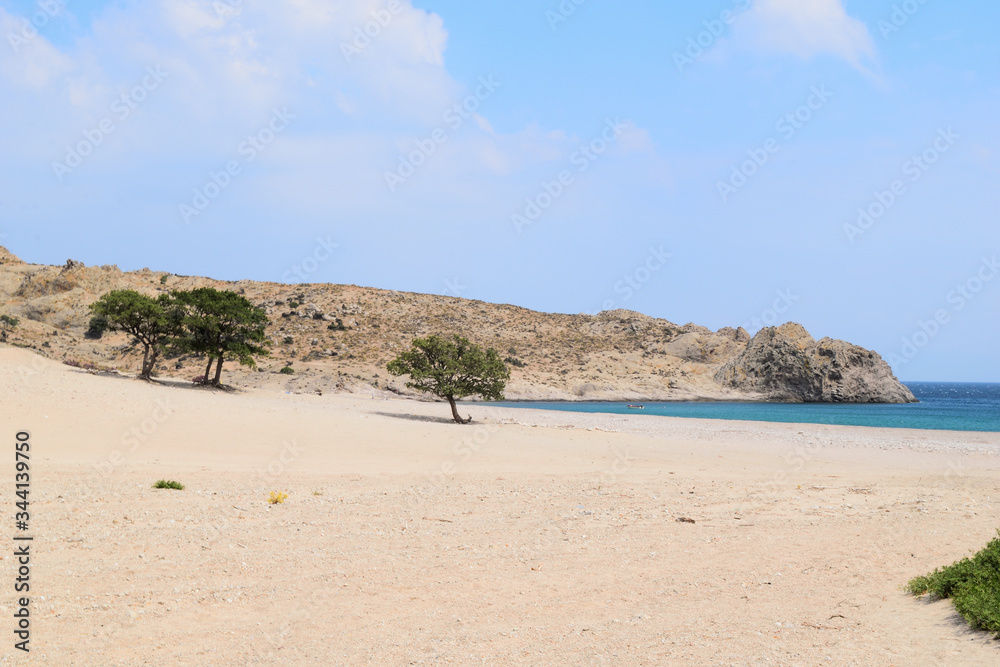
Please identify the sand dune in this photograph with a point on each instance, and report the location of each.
(528, 538)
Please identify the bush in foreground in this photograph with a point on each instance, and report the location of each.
(973, 584)
(169, 484)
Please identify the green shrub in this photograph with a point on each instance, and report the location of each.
(973, 584)
(98, 325)
(287, 370)
(171, 484)
(7, 323)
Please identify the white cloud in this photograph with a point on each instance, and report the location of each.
(805, 28)
(28, 60)
(226, 71)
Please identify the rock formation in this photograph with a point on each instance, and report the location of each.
(785, 364)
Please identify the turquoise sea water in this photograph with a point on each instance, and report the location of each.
(949, 406)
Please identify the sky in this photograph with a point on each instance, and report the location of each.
(728, 163)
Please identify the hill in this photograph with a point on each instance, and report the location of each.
(340, 337)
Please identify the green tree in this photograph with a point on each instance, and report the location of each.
(152, 323)
(98, 325)
(7, 323)
(222, 325)
(452, 369)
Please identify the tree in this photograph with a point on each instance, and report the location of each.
(452, 369)
(7, 323)
(98, 325)
(222, 325)
(151, 322)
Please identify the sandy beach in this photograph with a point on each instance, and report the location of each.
(527, 538)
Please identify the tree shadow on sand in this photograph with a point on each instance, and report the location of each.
(417, 418)
(169, 382)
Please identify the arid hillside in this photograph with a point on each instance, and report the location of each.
(340, 337)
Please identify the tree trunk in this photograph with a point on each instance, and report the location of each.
(218, 372)
(147, 367)
(208, 369)
(144, 373)
(454, 411)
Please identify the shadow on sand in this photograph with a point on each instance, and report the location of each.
(162, 382)
(418, 418)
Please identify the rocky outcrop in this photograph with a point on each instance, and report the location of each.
(786, 364)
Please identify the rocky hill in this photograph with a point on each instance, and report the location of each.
(340, 337)
(787, 364)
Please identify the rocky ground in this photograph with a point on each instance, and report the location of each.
(340, 337)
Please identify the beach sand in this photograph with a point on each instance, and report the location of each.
(527, 538)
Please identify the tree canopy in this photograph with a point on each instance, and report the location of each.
(222, 325)
(152, 322)
(452, 369)
(219, 324)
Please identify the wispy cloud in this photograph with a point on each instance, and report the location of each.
(805, 29)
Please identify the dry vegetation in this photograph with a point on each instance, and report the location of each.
(339, 337)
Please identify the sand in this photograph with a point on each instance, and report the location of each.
(527, 538)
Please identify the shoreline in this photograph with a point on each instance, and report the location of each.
(528, 537)
(527, 405)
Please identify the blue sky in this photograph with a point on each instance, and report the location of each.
(702, 162)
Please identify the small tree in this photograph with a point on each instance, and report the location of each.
(151, 322)
(452, 369)
(7, 323)
(221, 325)
(98, 325)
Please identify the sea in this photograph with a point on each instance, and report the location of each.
(950, 406)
